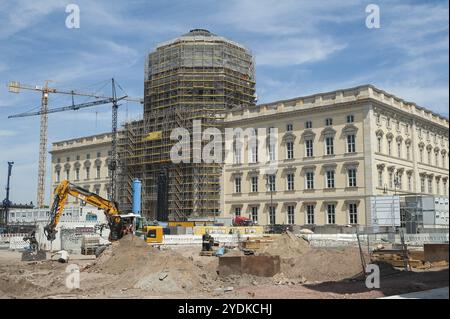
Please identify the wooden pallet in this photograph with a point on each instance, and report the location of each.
(396, 258)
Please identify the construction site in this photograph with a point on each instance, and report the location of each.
(160, 230)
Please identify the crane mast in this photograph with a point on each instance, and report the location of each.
(43, 138)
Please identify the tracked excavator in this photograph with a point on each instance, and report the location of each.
(119, 225)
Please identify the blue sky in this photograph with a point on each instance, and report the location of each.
(300, 48)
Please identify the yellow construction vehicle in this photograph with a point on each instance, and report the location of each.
(153, 234)
(119, 225)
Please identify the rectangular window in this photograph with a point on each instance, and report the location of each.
(290, 181)
(271, 183)
(400, 181)
(351, 172)
(88, 156)
(272, 214)
(290, 215)
(289, 128)
(98, 171)
(351, 144)
(99, 154)
(237, 185)
(271, 152)
(328, 121)
(87, 172)
(380, 179)
(237, 156)
(254, 184)
(409, 182)
(77, 174)
(430, 185)
(391, 180)
(308, 124)
(353, 213)
(350, 118)
(254, 154)
(97, 191)
(58, 160)
(331, 214)
(438, 189)
(310, 214)
(309, 148)
(67, 159)
(290, 150)
(330, 179)
(329, 142)
(309, 180)
(237, 211)
(422, 184)
(255, 214)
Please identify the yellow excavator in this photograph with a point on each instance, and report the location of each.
(119, 225)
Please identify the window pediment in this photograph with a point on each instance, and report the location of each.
(308, 133)
(328, 131)
(349, 129)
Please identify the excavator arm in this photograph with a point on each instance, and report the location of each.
(62, 192)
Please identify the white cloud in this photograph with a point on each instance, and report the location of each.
(287, 17)
(7, 133)
(22, 14)
(297, 51)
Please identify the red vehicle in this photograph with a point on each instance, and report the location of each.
(242, 221)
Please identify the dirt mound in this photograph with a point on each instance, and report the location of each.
(324, 264)
(287, 246)
(13, 286)
(144, 267)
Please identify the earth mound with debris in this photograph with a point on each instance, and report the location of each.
(148, 268)
(300, 260)
(287, 245)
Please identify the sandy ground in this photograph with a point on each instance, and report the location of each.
(131, 269)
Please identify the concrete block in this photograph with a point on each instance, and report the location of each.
(262, 266)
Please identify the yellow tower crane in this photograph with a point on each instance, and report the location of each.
(15, 87)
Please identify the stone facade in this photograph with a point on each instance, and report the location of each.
(335, 150)
(84, 162)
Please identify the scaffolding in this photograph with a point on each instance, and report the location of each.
(194, 77)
